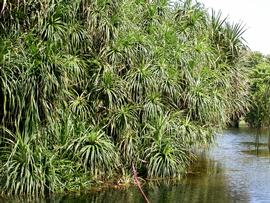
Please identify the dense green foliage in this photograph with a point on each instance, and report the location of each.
(89, 87)
(259, 113)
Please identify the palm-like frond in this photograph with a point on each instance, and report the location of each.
(95, 151)
(155, 80)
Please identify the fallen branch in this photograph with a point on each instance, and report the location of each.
(137, 182)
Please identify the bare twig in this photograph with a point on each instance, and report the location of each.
(138, 183)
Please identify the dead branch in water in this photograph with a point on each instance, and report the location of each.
(137, 182)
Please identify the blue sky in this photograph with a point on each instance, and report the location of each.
(254, 14)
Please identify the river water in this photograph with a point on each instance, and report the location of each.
(236, 169)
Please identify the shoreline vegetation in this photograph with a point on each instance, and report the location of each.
(89, 88)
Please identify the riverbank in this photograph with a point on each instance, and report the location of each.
(228, 172)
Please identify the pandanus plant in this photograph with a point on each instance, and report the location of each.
(106, 84)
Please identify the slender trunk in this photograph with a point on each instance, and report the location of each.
(268, 141)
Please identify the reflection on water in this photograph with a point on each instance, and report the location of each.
(258, 152)
(236, 170)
